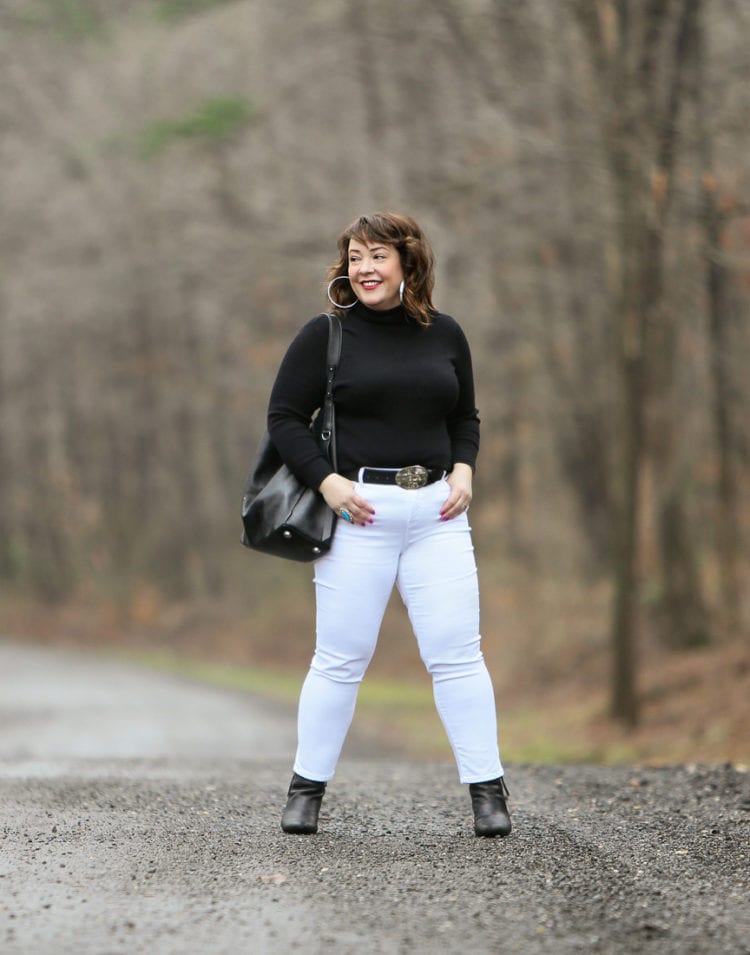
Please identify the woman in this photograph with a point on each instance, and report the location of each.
(407, 436)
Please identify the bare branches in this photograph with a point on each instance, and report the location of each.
(551, 150)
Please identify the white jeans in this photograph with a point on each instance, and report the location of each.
(432, 562)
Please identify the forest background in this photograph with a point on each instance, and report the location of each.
(174, 175)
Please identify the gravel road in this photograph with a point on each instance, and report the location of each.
(139, 813)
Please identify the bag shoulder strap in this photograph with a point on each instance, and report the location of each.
(333, 355)
(334, 341)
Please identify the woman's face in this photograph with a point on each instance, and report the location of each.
(375, 274)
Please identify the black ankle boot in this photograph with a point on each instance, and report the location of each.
(302, 806)
(490, 809)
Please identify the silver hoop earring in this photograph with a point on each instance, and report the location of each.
(328, 293)
(401, 288)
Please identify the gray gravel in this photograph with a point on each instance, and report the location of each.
(139, 813)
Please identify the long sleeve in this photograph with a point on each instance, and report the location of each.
(463, 421)
(299, 391)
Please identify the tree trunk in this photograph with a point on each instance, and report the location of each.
(718, 281)
(7, 563)
(639, 55)
(624, 704)
(683, 619)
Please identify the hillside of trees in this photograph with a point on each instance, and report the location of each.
(174, 176)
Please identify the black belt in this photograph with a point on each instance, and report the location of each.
(409, 478)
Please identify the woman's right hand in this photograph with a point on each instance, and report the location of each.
(340, 494)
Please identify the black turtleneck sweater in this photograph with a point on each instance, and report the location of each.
(404, 394)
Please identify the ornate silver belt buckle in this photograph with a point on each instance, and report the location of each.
(412, 477)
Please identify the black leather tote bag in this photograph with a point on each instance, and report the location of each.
(280, 514)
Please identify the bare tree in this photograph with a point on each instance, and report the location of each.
(168, 210)
(716, 212)
(640, 56)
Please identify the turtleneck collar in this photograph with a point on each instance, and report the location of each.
(390, 316)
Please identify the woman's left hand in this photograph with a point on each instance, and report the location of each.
(459, 498)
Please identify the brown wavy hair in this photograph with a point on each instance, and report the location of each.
(415, 252)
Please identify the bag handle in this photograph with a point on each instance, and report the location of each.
(328, 430)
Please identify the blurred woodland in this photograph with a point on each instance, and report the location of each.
(174, 176)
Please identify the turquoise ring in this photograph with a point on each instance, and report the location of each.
(346, 515)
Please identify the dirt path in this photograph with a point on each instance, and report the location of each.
(139, 813)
